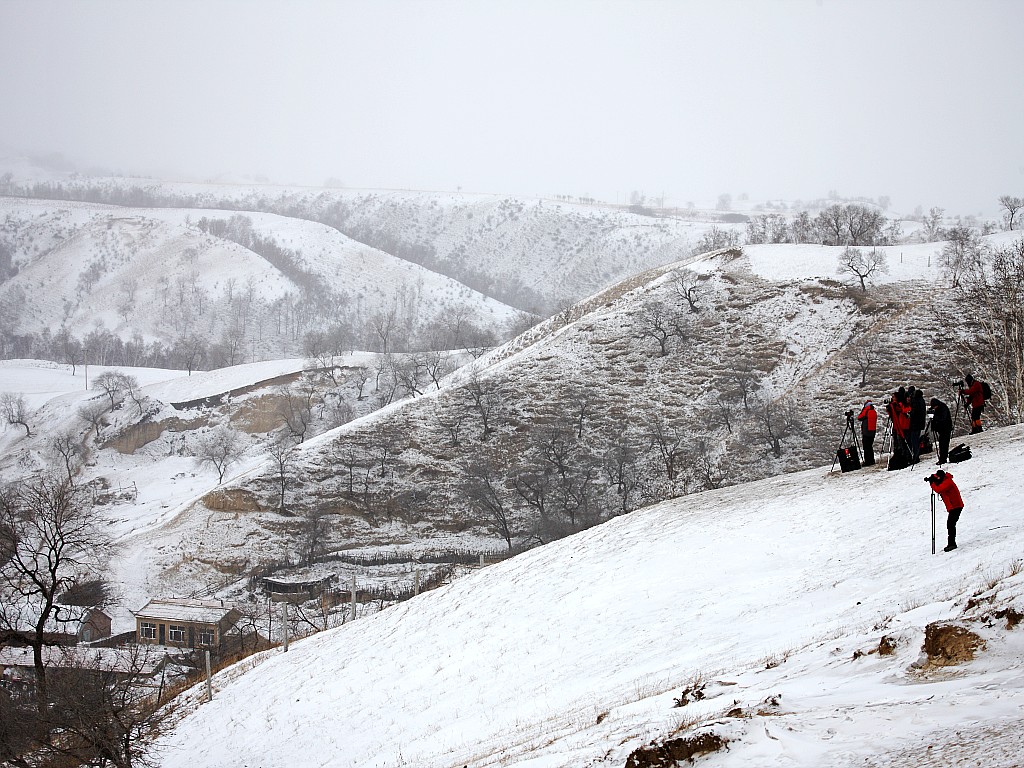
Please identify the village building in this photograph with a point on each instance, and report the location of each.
(185, 623)
(95, 625)
(17, 663)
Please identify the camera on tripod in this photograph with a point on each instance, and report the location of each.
(849, 414)
(937, 477)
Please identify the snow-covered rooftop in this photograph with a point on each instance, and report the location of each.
(180, 609)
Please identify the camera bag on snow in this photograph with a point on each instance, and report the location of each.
(898, 461)
(960, 453)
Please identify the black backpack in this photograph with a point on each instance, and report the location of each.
(960, 453)
(986, 390)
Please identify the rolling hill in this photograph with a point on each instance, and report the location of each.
(784, 622)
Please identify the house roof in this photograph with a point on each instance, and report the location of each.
(181, 609)
(123, 660)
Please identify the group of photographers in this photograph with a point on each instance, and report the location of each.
(908, 415)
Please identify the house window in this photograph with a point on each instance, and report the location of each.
(206, 637)
(175, 634)
(148, 630)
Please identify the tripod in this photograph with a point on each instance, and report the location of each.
(852, 430)
(961, 403)
(933, 522)
(887, 437)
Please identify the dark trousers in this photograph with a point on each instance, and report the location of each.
(914, 441)
(869, 443)
(951, 520)
(942, 438)
(900, 444)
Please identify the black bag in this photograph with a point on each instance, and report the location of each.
(926, 442)
(960, 453)
(898, 460)
(848, 459)
(986, 390)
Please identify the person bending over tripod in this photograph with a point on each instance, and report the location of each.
(942, 484)
(942, 426)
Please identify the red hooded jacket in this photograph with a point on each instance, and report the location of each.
(900, 414)
(947, 489)
(869, 416)
(976, 394)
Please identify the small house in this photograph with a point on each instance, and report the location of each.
(95, 625)
(185, 623)
(17, 664)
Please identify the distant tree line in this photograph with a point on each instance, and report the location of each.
(850, 225)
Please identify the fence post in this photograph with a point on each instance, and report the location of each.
(209, 678)
(353, 597)
(284, 624)
(481, 559)
(417, 590)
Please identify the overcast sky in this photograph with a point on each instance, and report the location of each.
(920, 100)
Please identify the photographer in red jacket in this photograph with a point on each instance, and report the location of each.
(974, 398)
(868, 419)
(942, 484)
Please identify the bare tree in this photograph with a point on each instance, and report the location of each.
(933, 223)
(774, 421)
(621, 463)
(661, 323)
(993, 288)
(438, 365)
(1012, 205)
(50, 541)
(687, 286)
(313, 534)
(282, 450)
(106, 712)
(92, 412)
(741, 379)
(14, 411)
(485, 490)
(296, 409)
(221, 447)
(854, 261)
(963, 247)
(716, 239)
(68, 448)
(705, 465)
(115, 385)
(864, 352)
(450, 417)
(482, 396)
(668, 440)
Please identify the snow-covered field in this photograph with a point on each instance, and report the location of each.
(776, 594)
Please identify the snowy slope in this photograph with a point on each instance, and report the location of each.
(572, 654)
(151, 271)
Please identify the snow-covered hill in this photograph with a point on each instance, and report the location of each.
(157, 274)
(772, 598)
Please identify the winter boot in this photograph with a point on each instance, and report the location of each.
(949, 547)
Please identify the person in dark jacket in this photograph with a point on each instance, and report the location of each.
(942, 426)
(918, 421)
(868, 419)
(974, 398)
(942, 484)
